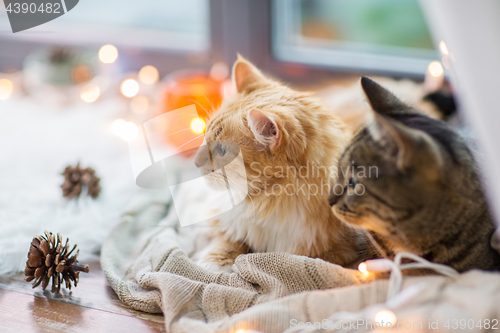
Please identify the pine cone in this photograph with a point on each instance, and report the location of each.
(48, 258)
(75, 178)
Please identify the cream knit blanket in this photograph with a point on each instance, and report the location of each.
(145, 259)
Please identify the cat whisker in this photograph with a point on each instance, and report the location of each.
(195, 138)
(186, 129)
(209, 102)
(201, 107)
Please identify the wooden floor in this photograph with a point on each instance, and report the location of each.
(91, 307)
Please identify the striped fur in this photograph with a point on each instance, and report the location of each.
(425, 198)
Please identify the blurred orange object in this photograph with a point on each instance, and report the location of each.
(185, 88)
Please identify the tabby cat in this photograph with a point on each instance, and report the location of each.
(289, 142)
(411, 181)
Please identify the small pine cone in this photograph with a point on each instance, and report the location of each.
(75, 178)
(48, 258)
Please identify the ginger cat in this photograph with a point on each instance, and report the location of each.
(290, 145)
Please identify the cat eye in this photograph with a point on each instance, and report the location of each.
(222, 149)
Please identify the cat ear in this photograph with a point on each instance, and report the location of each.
(381, 99)
(264, 128)
(409, 147)
(245, 74)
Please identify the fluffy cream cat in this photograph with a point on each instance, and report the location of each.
(290, 145)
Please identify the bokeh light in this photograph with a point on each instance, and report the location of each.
(435, 69)
(198, 125)
(129, 131)
(139, 104)
(149, 74)
(387, 316)
(219, 71)
(362, 268)
(108, 54)
(6, 87)
(90, 93)
(116, 126)
(129, 88)
(81, 74)
(443, 48)
(198, 89)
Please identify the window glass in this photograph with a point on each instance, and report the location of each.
(385, 35)
(147, 23)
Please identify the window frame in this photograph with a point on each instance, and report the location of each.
(284, 22)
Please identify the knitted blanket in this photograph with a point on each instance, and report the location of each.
(146, 260)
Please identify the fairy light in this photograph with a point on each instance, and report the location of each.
(363, 269)
(129, 131)
(198, 89)
(386, 316)
(149, 74)
(116, 126)
(435, 69)
(108, 54)
(6, 87)
(443, 48)
(198, 125)
(90, 93)
(219, 71)
(139, 104)
(129, 88)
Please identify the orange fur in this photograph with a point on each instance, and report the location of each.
(279, 130)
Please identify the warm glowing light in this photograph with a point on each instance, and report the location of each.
(139, 104)
(435, 69)
(198, 89)
(149, 75)
(5, 89)
(219, 71)
(129, 88)
(387, 316)
(240, 331)
(362, 268)
(443, 48)
(108, 54)
(90, 93)
(129, 131)
(125, 129)
(198, 125)
(81, 74)
(117, 125)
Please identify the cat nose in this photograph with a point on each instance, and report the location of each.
(199, 161)
(201, 157)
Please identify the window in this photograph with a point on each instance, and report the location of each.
(388, 36)
(163, 25)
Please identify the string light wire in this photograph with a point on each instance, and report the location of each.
(395, 297)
